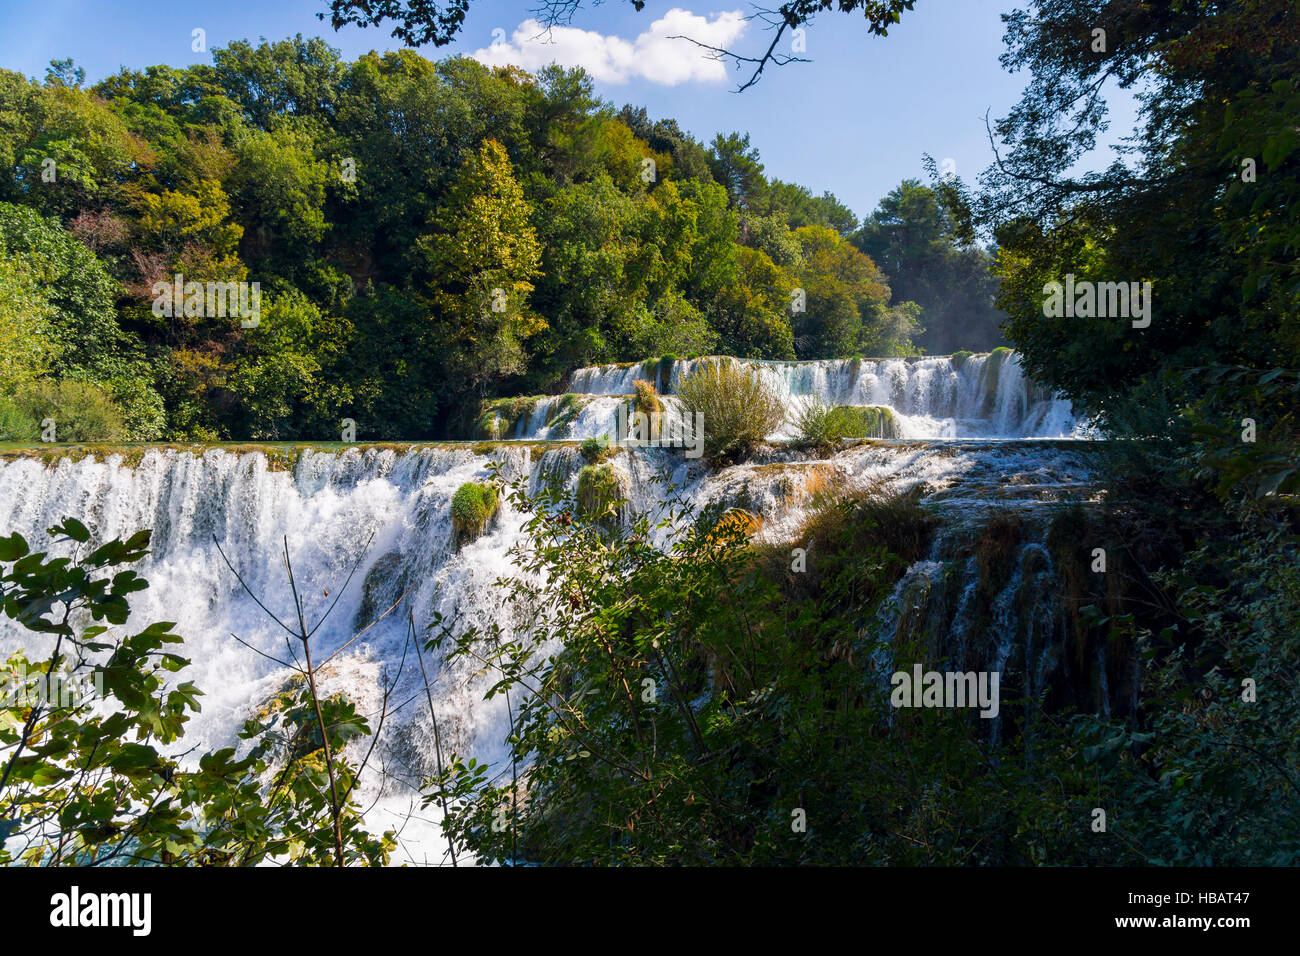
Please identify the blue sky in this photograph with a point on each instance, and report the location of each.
(856, 120)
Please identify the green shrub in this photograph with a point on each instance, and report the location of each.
(820, 424)
(813, 421)
(81, 412)
(595, 449)
(15, 424)
(143, 413)
(864, 421)
(738, 410)
(598, 492)
(472, 507)
(646, 398)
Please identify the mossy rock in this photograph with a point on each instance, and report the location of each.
(863, 421)
(383, 583)
(282, 699)
(596, 450)
(472, 507)
(992, 375)
(995, 547)
(498, 417)
(599, 491)
(959, 358)
(566, 410)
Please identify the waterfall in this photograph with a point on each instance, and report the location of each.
(386, 512)
(983, 395)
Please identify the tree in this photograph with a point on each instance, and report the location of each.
(915, 241)
(799, 207)
(482, 258)
(690, 159)
(736, 166)
(64, 73)
(753, 312)
(845, 300)
(279, 185)
(1210, 225)
(27, 345)
(293, 77)
(285, 382)
(61, 149)
(591, 289)
(84, 337)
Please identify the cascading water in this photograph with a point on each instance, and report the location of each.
(976, 396)
(387, 512)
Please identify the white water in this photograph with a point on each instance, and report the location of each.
(389, 515)
(986, 396)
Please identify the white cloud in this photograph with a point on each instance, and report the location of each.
(651, 56)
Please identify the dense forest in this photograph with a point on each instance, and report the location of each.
(422, 235)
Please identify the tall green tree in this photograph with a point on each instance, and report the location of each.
(482, 258)
(914, 240)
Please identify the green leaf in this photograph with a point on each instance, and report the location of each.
(134, 757)
(74, 529)
(13, 547)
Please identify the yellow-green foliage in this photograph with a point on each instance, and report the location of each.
(598, 491)
(26, 346)
(78, 411)
(822, 424)
(646, 399)
(738, 410)
(485, 252)
(472, 507)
